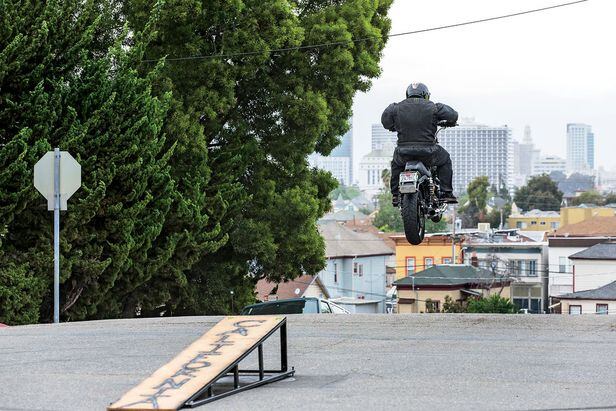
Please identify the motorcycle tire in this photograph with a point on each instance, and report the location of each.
(437, 218)
(413, 218)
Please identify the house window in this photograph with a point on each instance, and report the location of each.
(575, 309)
(446, 260)
(533, 223)
(433, 306)
(428, 262)
(358, 269)
(554, 225)
(335, 272)
(532, 268)
(562, 264)
(410, 266)
(602, 309)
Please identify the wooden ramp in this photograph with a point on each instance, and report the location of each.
(188, 379)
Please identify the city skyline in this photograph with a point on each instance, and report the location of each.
(517, 72)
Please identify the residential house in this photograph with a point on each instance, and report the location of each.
(303, 286)
(600, 300)
(573, 215)
(356, 266)
(345, 216)
(594, 267)
(427, 290)
(534, 220)
(571, 239)
(521, 256)
(435, 249)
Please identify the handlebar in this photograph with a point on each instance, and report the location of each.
(446, 124)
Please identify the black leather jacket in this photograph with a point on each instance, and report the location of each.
(415, 119)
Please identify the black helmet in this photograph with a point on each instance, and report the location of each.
(418, 90)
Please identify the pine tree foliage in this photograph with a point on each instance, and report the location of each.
(67, 80)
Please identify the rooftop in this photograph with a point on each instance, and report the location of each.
(451, 275)
(341, 241)
(607, 292)
(344, 215)
(537, 214)
(593, 227)
(602, 251)
(285, 289)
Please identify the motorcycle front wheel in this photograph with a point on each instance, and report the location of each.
(413, 218)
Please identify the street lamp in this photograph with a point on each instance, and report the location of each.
(231, 292)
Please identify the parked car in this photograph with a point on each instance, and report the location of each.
(307, 305)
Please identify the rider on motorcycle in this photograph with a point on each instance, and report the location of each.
(415, 120)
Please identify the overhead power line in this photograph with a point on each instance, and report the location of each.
(362, 39)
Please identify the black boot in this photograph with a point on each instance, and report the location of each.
(448, 197)
(395, 200)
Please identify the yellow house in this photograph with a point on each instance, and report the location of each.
(534, 220)
(427, 291)
(435, 249)
(572, 215)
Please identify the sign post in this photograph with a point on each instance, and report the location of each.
(57, 175)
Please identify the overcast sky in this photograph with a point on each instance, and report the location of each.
(545, 69)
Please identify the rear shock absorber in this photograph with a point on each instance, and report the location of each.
(431, 189)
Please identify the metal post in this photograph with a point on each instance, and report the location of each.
(261, 366)
(283, 348)
(56, 236)
(236, 376)
(453, 236)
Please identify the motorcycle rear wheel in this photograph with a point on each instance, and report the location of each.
(413, 218)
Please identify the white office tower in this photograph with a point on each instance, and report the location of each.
(381, 137)
(479, 150)
(547, 164)
(339, 167)
(371, 169)
(340, 160)
(580, 148)
(527, 154)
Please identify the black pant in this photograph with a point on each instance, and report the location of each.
(430, 155)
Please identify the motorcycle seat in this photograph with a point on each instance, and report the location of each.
(416, 165)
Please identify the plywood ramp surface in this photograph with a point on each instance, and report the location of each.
(181, 378)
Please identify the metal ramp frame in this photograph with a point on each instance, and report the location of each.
(193, 377)
(206, 394)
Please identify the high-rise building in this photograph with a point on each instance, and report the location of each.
(479, 150)
(527, 155)
(339, 167)
(580, 148)
(340, 160)
(381, 136)
(547, 164)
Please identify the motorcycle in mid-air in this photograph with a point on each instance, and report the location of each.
(420, 197)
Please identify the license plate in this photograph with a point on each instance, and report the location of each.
(408, 177)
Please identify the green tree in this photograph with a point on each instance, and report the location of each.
(492, 304)
(588, 197)
(347, 192)
(261, 114)
(541, 192)
(389, 219)
(451, 306)
(610, 198)
(474, 209)
(67, 80)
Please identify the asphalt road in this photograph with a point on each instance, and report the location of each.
(345, 362)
